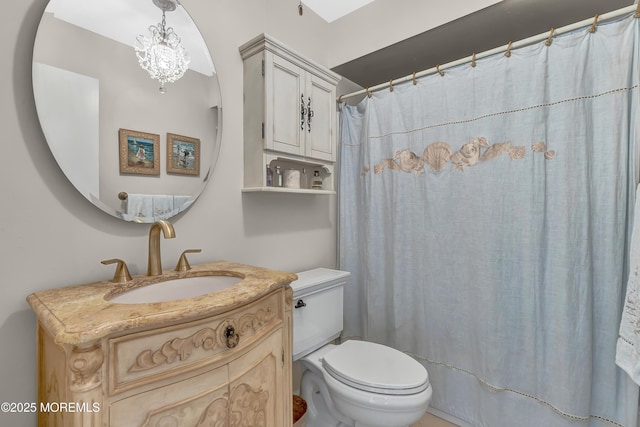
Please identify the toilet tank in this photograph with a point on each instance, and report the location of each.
(318, 309)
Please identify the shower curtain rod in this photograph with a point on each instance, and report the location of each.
(506, 48)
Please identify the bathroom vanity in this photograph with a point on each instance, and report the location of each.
(222, 358)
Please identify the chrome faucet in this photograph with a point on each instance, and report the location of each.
(155, 261)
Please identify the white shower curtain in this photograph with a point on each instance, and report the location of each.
(485, 216)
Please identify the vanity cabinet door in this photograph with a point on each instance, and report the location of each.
(198, 401)
(257, 386)
(248, 392)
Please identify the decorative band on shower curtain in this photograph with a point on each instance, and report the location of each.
(485, 216)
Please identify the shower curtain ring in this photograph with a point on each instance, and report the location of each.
(548, 42)
(439, 70)
(473, 60)
(414, 79)
(391, 85)
(508, 52)
(368, 93)
(594, 26)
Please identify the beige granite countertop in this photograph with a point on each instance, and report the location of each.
(82, 315)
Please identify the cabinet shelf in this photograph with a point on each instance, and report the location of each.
(285, 190)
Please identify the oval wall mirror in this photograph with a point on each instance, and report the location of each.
(134, 152)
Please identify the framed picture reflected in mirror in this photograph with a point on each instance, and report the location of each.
(139, 152)
(183, 155)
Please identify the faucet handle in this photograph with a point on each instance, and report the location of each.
(122, 272)
(183, 263)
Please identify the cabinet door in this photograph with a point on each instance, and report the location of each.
(257, 386)
(284, 119)
(320, 127)
(198, 401)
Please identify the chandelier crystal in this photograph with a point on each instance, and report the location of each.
(160, 52)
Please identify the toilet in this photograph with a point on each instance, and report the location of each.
(356, 383)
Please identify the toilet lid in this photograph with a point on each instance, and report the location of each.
(377, 368)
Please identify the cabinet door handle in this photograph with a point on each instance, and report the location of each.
(300, 304)
(302, 111)
(309, 115)
(232, 338)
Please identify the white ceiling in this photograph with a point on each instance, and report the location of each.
(330, 10)
(123, 20)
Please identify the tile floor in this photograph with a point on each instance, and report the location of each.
(432, 421)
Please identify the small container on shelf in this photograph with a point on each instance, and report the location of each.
(292, 178)
(269, 177)
(278, 182)
(316, 181)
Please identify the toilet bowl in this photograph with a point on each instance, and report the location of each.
(356, 383)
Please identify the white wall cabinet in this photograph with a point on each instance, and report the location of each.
(290, 117)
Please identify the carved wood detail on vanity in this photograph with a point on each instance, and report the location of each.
(216, 414)
(205, 338)
(187, 346)
(248, 406)
(248, 392)
(85, 365)
(180, 348)
(248, 409)
(188, 411)
(250, 397)
(256, 321)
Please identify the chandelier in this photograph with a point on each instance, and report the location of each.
(160, 52)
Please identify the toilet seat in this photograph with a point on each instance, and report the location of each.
(375, 368)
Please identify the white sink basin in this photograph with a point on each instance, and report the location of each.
(175, 289)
